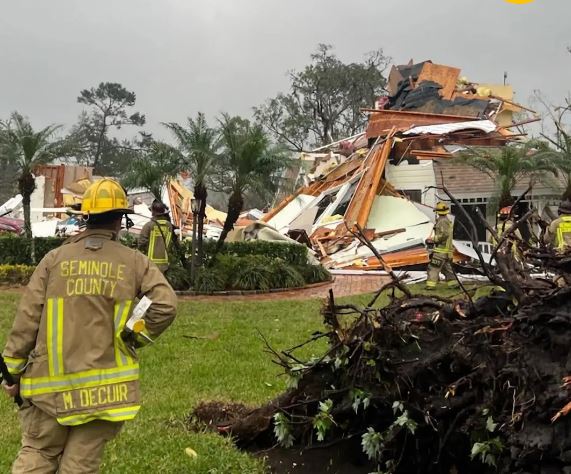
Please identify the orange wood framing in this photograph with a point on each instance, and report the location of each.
(380, 121)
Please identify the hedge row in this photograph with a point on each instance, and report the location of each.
(16, 250)
(15, 274)
(255, 265)
(294, 254)
(254, 272)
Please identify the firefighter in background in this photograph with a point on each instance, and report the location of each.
(558, 234)
(505, 223)
(76, 373)
(440, 242)
(157, 236)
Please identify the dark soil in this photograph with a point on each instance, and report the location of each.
(442, 380)
(339, 459)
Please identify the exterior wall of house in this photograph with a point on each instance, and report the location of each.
(418, 177)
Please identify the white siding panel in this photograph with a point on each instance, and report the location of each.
(407, 177)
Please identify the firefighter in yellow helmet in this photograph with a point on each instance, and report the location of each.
(442, 249)
(74, 367)
(558, 234)
(157, 235)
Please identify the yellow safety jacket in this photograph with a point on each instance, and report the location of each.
(501, 229)
(443, 237)
(155, 240)
(559, 233)
(65, 340)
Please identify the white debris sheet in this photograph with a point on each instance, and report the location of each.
(388, 213)
(486, 126)
(291, 211)
(11, 204)
(44, 228)
(470, 252)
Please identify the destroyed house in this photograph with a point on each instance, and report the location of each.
(386, 179)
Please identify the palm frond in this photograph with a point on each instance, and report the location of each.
(198, 144)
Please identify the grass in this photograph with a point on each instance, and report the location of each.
(178, 372)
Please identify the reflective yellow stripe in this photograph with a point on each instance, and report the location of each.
(152, 239)
(431, 284)
(54, 341)
(122, 311)
(168, 234)
(89, 378)
(156, 234)
(110, 414)
(563, 229)
(15, 365)
(59, 336)
(50, 333)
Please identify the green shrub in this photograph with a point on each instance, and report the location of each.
(313, 273)
(284, 275)
(16, 250)
(209, 280)
(128, 240)
(15, 274)
(178, 277)
(226, 265)
(294, 254)
(252, 275)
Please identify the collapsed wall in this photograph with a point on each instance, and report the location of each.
(431, 113)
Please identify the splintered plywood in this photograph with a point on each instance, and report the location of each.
(382, 121)
(505, 116)
(362, 201)
(345, 169)
(394, 78)
(417, 256)
(446, 76)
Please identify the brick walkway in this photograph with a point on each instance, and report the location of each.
(344, 285)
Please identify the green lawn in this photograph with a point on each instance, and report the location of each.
(179, 372)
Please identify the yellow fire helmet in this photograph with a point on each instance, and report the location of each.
(105, 195)
(442, 209)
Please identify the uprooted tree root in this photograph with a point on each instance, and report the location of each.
(426, 385)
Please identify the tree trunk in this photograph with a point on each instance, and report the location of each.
(567, 194)
(201, 193)
(506, 199)
(100, 143)
(235, 204)
(26, 186)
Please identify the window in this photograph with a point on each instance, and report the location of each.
(462, 228)
(341, 208)
(414, 195)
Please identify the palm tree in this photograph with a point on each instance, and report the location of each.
(508, 165)
(560, 156)
(26, 149)
(249, 164)
(198, 145)
(154, 169)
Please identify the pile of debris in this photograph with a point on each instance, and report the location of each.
(431, 385)
(430, 114)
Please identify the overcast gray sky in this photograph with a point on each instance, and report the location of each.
(184, 56)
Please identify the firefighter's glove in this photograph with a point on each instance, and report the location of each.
(129, 341)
